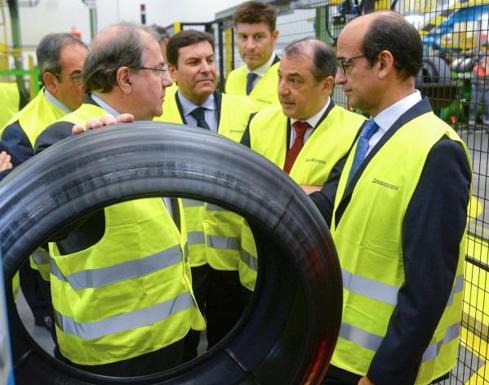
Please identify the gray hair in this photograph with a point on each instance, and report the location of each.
(117, 46)
(161, 32)
(323, 56)
(49, 49)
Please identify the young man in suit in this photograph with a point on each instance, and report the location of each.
(256, 36)
(214, 252)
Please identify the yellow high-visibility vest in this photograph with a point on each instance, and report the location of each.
(265, 92)
(130, 293)
(330, 141)
(9, 95)
(214, 232)
(36, 116)
(368, 239)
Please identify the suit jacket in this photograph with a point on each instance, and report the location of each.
(432, 230)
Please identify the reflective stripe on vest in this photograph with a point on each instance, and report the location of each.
(40, 261)
(459, 285)
(94, 278)
(372, 342)
(40, 257)
(224, 243)
(383, 292)
(126, 321)
(194, 211)
(248, 264)
(433, 349)
(369, 287)
(249, 260)
(195, 237)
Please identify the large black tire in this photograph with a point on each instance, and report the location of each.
(288, 333)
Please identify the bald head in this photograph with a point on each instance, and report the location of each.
(388, 30)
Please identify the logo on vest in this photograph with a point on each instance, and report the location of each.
(385, 184)
(314, 160)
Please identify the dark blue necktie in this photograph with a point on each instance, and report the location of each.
(199, 115)
(368, 130)
(250, 78)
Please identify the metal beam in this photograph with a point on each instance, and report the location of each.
(13, 7)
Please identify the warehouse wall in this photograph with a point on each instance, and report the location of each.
(62, 15)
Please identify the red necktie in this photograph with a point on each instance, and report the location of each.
(300, 129)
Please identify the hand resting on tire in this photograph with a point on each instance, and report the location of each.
(106, 120)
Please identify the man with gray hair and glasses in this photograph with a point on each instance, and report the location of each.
(60, 58)
(121, 287)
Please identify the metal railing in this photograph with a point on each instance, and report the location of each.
(456, 39)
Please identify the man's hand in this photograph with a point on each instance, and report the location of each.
(5, 163)
(106, 120)
(308, 189)
(365, 381)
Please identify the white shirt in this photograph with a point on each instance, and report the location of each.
(115, 113)
(386, 118)
(210, 113)
(313, 121)
(105, 106)
(56, 102)
(261, 71)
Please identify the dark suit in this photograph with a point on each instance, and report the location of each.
(433, 227)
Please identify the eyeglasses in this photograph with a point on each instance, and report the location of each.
(160, 70)
(345, 63)
(75, 78)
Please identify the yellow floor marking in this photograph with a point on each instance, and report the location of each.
(479, 347)
(475, 207)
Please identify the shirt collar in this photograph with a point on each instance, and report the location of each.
(104, 105)
(260, 71)
(188, 106)
(56, 102)
(386, 118)
(313, 120)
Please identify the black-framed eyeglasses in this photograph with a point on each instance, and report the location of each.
(345, 63)
(76, 78)
(160, 70)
